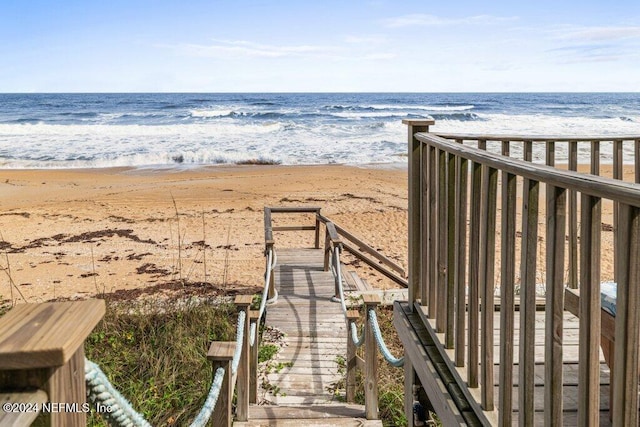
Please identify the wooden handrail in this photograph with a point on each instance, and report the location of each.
(593, 185)
(336, 233)
(333, 234)
(536, 138)
(220, 354)
(447, 176)
(269, 228)
(42, 347)
(294, 209)
(364, 247)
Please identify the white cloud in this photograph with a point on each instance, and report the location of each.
(351, 39)
(597, 34)
(596, 44)
(242, 48)
(593, 53)
(246, 49)
(426, 20)
(379, 56)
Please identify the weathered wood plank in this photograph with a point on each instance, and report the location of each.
(424, 272)
(487, 282)
(474, 251)
(556, 221)
(625, 394)
(314, 327)
(507, 291)
(462, 166)
(34, 399)
(527, 306)
(49, 333)
(573, 221)
(452, 249)
(432, 260)
(441, 309)
(589, 310)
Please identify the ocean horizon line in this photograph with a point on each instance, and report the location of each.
(541, 92)
(105, 129)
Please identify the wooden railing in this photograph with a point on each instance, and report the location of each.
(221, 354)
(42, 362)
(364, 252)
(42, 365)
(453, 265)
(592, 151)
(337, 239)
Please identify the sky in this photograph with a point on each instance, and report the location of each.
(319, 46)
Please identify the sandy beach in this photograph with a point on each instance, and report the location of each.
(69, 234)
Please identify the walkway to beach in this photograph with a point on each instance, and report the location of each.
(314, 348)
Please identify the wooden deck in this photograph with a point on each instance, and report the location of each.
(569, 372)
(315, 338)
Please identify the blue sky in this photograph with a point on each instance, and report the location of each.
(319, 46)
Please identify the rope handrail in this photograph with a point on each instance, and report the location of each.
(101, 391)
(377, 333)
(335, 269)
(357, 341)
(272, 260)
(235, 362)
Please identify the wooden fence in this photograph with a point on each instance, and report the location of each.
(463, 194)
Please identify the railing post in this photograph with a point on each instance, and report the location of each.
(317, 241)
(327, 250)
(221, 353)
(243, 302)
(371, 301)
(272, 282)
(352, 316)
(253, 362)
(52, 359)
(415, 205)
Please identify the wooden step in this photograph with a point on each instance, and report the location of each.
(308, 415)
(315, 335)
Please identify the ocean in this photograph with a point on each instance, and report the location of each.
(190, 130)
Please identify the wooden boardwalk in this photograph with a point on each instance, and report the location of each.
(569, 370)
(315, 340)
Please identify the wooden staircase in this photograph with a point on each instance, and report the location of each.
(299, 390)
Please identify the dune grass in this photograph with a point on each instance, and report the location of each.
(157, 358)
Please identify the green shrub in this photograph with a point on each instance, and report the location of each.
(157, 359)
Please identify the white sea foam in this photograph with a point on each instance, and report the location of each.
(286, 129)
(211, 113)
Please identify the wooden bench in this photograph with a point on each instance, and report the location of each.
(607, 324)
(607, 333)
(42, 356)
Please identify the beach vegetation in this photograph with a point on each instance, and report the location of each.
(155, 355)
(390, 379)
(266, 352)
